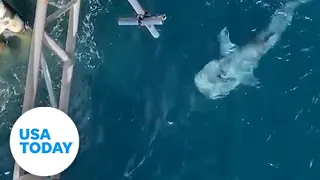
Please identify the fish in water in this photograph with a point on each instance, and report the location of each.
(237, 64)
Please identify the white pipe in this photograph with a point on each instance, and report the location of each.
(48, 81)
(50, 43)
(70, 49)
(60, 11)
(154, 32)
(156, 20)
(33, 67)
(137, 7)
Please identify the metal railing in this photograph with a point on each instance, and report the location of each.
(39, 37)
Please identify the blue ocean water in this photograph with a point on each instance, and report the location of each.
(140, 115)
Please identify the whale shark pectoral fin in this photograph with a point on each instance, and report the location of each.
(226, 46)
(250, 80)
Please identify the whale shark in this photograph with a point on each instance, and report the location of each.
(237, 64)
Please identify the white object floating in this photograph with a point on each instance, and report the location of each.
(157, 20)
(142, 19)
(154, 32)
(136, 6)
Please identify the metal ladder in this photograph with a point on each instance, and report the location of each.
(39, 37)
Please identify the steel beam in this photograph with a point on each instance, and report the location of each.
(38, 38)
(33, 67)
(156, 20)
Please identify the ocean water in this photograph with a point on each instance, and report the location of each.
(140, 115)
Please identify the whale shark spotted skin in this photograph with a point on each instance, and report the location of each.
(236, 66)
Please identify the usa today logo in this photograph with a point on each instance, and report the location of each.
(44, 141)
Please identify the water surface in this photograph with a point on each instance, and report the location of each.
(141, 117)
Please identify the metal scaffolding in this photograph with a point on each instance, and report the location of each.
(36, 58)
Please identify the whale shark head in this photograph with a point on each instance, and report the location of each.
(237, 64)
(213, 82)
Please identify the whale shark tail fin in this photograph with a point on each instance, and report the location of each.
(305, 1)
(289, 7)
(280, 20)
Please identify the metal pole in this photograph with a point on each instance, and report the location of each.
(51, 44)
(156, 20)
(70, 48)
(59, 12)
(137, 7)
(38, 37)
(33, 66)
(68, 66)
(31, 177)
(34, 57)
(48, 81)
(154, 32)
